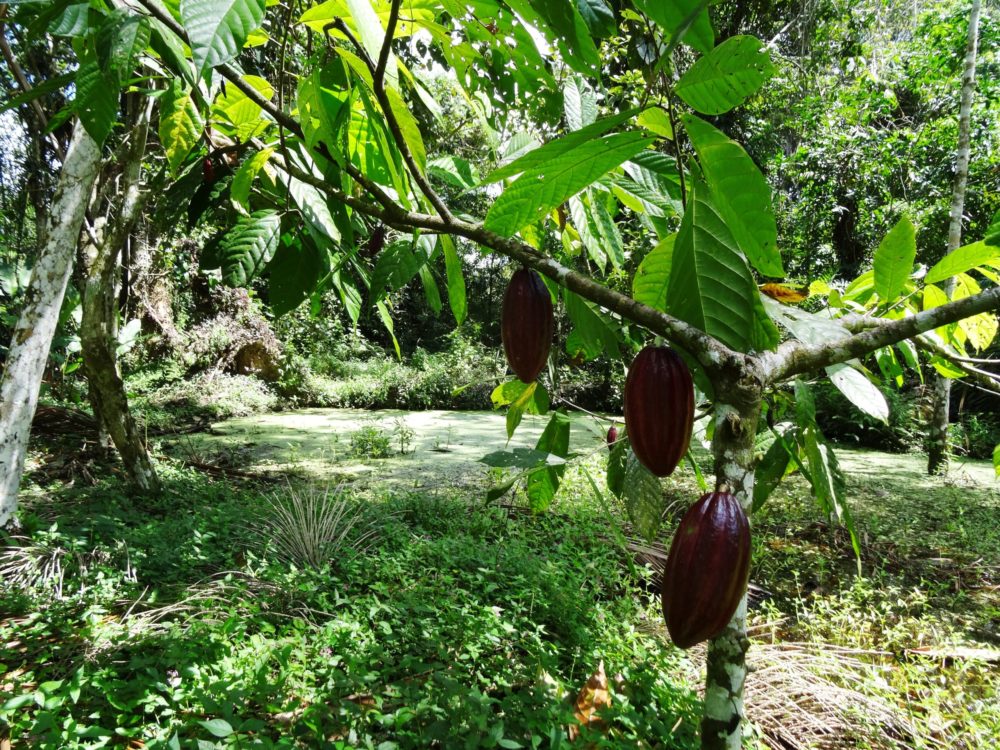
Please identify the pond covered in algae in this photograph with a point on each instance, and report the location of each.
(443, 447)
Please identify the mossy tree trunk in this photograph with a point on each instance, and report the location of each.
(36, 325)
(99, 323)
(937, 448)
(737, 411)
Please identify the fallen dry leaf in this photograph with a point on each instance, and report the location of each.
(594, 696)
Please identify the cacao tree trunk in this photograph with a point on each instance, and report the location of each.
(98, 326)
(937, 449)
(29, 348)
(736, 417)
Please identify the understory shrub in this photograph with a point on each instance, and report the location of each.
(206, 396)
(461, 376)
(976, 435)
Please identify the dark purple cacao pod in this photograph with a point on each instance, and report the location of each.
(659, 408)
(526, 327)
(208, 170)
(707, 569)
(612, 437)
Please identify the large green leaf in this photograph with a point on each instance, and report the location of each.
(520, 398)
(726, 76)
(180, 125)
(594, 334)
(96, 101)
(248, 247)
(772, 468)
(685, 19)
(996, 459)
(643, 496)
(372, 34)
(894, 260)
(239, 191)
(121, 38)
(600, 19)
(520, 458)
(544, 483)
(217, 29)
(710, 284)
(597, 230)
(962, 260)
(456, 279)
(294, 272)
(313, 206)
(238, 115)
(859, 390)
(171, 50)
(325, 101)
(397, 264)
(829, 487)
(56, 83)
(532, 195)
(73, 21)
(545, 153)
(431, 292)
(454, 170)
(409, 128)
(810, 328)
(579, 103)
(652, 278)
(560, 21)
(741, 193)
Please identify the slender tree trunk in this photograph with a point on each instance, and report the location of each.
(937, 449)
(98, 327)
(726, 671)
(36, 325)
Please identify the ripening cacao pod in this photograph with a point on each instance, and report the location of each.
(659, 408)
(612, 437)
(526, 327)
(707, 569)
(208, 170)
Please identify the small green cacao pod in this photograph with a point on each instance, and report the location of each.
(659, 408)
(527, 324)
(707, 569)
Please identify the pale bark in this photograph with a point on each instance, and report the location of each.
(736, 414)
(937, 448)
(98, 325)
(36, 325)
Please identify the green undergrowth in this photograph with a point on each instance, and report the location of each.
(436, 619)
(173, 622)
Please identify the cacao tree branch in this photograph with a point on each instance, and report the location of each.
(390, 31)
(378, 88)
(983, 378)
(712, 354)
(794, 357)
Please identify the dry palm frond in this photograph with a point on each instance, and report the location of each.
(31, 564)
(818, 696)
(308, 527)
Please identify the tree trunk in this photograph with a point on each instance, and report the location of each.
(937, 449)
(98, 326)
(36, 325)
(726, 671)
